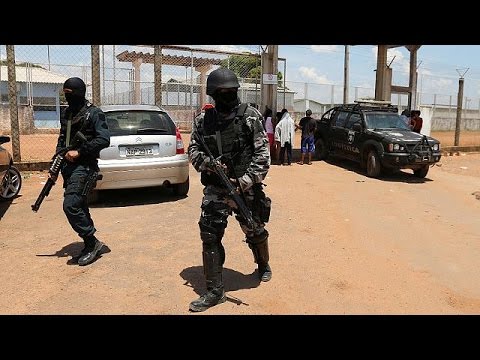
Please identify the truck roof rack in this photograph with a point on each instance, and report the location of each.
(370, 105)
(373, 102)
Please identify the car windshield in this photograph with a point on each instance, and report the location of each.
(139, 122)
(385, 121)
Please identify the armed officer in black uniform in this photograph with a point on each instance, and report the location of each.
(234, 132)
(80, 168)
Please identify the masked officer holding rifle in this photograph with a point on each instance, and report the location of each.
(80, 167)
(230, 137)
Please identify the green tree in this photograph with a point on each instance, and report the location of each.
(245, 66)
(241, 65)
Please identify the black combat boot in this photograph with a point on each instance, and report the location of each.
(213, 259)
(264, 272)
(91, 250)
(211, 298)
(259, 246)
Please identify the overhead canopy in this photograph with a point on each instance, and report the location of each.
(131, 56)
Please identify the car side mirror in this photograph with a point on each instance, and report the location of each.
(4, 139)
(357, 127)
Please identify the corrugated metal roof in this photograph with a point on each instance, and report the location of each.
(33, 74)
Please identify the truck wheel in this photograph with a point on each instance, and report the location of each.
(321, 151)
(422, 172)
(374, 168)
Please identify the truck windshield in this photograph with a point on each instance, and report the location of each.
(385, 121)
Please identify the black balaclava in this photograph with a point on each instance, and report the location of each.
(225, 102)
(75, 89)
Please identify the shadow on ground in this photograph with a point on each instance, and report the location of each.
(73, 250)
(5, 204)
(135, 197)
(404, 175)
(232, 279)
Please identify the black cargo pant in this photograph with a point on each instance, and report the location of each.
(216, 208)
(75, 204)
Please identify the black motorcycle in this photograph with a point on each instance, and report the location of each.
(11, 180)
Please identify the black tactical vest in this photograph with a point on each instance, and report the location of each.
(231, 138)
(82, 122)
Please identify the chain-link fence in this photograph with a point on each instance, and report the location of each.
(175, 78)
(40, 71)
(128, 77)
(441, 109)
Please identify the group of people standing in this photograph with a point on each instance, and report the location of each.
(281, 135)
(413, 120)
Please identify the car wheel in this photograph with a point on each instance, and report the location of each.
(321, 152)
(11, 184)
(422, 172)
(374, 168)
(182, 189)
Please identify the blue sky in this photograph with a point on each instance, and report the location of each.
(319, 64)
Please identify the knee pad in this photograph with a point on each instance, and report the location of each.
(258, 239)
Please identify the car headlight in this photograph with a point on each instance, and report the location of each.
(436, 147)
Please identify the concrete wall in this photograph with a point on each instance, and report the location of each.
(445, 118)
(25, 118)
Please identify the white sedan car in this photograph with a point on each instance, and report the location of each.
(146, 149)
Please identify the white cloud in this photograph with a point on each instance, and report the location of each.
(441, 84)
(324, 48)
(311, 74)
(424, 72)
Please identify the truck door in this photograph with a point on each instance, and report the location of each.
(339, 133)
(353, 137)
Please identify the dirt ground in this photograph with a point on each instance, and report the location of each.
(341, 243)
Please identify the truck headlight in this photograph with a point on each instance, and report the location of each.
(395, 147)
(436, 147)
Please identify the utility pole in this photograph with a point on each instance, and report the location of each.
(459, 106)
(345, 74)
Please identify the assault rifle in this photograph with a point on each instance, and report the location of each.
(217, 166)
(57, 161)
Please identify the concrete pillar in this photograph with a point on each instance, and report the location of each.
(12, 97)
(136, 81)
(96, 75)
(412, 81)
(157, 71)
(381, 76)
(269, 66)
(203, 69)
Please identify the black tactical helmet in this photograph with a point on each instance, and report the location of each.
(221, 78)
(308, 112)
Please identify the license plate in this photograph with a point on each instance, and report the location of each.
(138, 151)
